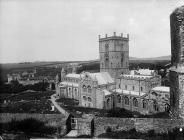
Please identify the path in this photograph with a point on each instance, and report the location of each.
(59, 108)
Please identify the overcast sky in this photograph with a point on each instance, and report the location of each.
(62, 30)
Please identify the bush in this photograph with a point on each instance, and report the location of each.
(119, 112)
(108, 129)
(28, 126)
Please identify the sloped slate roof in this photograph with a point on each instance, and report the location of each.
(161, 88)
(107, 92)
(73, 75)
(129, 92)
(103, 78)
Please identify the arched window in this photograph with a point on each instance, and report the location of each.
(126, 87)
(119, 98)
(126, 100)
(155, 105)
(108, 100)
(135, 102)
(89, 89)
(144, 104)
(154, 93)
(84, 98)
(166, 107)
(89, 99)
(76, 94)
(108, 103)
(70, 90)
(84, 88)
(141, 88)
(133, 88)
(106, 47)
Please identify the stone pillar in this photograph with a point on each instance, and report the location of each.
(177, 61)
(177, 36)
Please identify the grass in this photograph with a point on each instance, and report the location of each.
(28, 102)
(42, 106)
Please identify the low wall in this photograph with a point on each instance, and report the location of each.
(140, 124)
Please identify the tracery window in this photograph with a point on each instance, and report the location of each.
(126, 100)
(89, 89)
(119, 98)
(144, 104)
(84, 88)
(89, 99)
(84, 98)
(155, 105)
(135, 102)
(141, 88)
(76, 94)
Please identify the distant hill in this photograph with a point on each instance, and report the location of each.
(161, 58)
(45, 63)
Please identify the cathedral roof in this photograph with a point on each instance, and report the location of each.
(137, 76)
(129, 92)
(107, 92)
(103, 78)
(73, 75)
(161, 88)
(69, 84)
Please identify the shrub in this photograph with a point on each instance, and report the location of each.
(108, 129)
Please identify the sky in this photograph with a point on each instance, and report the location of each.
(65, 30)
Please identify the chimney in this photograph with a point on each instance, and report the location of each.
(99, 36)
(128, 36)
(121, 34)
(114, 33)
(106, 35)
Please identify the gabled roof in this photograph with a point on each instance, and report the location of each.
(103, 78)
(73, 75)
(106, 92)
(129, 92)
(161, 88)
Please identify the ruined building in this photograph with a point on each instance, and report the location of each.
(114, 55)
(177, 61)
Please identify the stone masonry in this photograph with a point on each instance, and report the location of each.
(114, 55)
(177, 61)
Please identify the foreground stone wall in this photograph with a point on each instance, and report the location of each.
(140, 124)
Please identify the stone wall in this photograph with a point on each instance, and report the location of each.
(177, 36)
(140, 124)
(84, 126)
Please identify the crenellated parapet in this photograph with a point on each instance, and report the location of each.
(114, 37)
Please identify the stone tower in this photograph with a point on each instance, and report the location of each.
(177, 61)
(63, 74)
(114, 54)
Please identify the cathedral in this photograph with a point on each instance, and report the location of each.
(115, 86)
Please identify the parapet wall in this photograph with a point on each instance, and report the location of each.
(140, 124)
